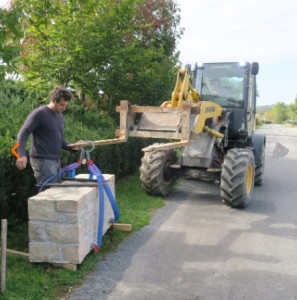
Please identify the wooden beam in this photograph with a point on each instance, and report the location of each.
(124, 119)
(15, 252)
(72, 267)
(166, 146)
(122, 227)
(185, 129)
(100, 142)
(142, 109)
(10, 251)
(155, 134)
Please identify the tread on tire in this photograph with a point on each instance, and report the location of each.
(237, 178)
(155, 175)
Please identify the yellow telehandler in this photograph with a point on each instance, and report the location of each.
(211, 121)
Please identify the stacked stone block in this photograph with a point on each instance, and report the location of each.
(63, 222)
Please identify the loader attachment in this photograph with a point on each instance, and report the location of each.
(171, 123)
(175, 124)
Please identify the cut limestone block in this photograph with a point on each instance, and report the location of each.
(63, 222)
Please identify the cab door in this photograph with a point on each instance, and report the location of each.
(251, 107)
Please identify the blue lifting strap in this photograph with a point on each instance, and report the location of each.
(102, 186)
(69, 168)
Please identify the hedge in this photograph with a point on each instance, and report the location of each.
(82, 123)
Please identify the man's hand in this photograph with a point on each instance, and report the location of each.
(21, 162)
(77, 147)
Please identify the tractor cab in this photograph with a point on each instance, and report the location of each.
(232, 85)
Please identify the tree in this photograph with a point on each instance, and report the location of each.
(293, 111)
(10, 35)
(278, 113)
(105, 50)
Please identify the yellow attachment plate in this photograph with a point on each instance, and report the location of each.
(208, 110)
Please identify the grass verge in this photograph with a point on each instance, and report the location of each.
(25, 280)
(289, 125)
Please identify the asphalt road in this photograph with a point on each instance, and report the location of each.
(197, 248)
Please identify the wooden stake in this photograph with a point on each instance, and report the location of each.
(3, 252)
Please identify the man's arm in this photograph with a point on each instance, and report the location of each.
(30, 124)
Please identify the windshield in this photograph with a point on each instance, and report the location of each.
(222, 83)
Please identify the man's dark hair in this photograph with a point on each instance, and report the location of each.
(59, 93)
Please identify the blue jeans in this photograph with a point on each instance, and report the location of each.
(45, 168)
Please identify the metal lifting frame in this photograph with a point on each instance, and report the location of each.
(180, 116)
(171, 123)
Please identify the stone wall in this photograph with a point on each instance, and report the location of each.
(63, 222)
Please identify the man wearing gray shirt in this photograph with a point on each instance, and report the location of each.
(46, 124)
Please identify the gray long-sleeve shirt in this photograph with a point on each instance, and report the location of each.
(47, 129)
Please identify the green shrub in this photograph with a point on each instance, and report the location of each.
(15, 186)
(82, 123)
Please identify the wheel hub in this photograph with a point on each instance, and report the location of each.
(249, 178)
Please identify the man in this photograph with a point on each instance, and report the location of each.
(46, 124)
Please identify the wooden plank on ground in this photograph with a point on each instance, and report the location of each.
(14, 252)
(72, 267)
(123, 227)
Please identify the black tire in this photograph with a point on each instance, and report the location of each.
(237, 178)
(259, 169)
(156, 176)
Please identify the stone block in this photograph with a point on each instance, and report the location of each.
(93, 206)
(41, 209)
(44, 252)
(72, 199)
(65, 233)
(75, 254)
(109, 178)
(37, 231)
(63, 222)
(72, 218)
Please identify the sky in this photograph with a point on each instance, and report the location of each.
(264, 31)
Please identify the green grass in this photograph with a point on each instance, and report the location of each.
(25, 280)
(289, 125)
(259, 125)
